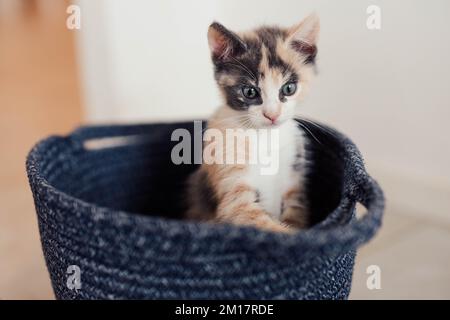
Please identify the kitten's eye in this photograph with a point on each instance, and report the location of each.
(249, 92)
(289, 89)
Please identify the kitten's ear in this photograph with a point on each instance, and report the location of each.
(303, 37)
(224, 43)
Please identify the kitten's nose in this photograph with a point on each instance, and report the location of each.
(271, 116)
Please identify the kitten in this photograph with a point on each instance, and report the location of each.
(262, 76)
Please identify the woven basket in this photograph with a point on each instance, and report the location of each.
(113, 211)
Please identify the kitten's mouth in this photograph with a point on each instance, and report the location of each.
(266, 124)
(272, 124)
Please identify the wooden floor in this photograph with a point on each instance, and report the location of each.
(38, 96)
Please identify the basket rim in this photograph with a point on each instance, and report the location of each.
(318, 239)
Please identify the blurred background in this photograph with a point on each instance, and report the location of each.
(388, 89)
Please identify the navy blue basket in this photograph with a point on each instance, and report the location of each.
(114, 212)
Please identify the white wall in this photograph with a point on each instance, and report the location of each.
(150, 60)
(388, 89)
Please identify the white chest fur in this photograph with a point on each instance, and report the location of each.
(273, 184)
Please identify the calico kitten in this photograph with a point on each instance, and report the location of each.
(262, 76)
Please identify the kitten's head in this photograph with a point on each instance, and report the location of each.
(266, 72)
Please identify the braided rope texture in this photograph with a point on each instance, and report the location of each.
(115, 212)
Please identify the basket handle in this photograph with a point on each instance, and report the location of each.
(117, 130)
(358, 231)
(360, 187)
(370, 195)
(110, 131)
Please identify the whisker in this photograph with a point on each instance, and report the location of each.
(246, 68)
(243, 67)
(309, 131)
(234, 118)
(318, 126)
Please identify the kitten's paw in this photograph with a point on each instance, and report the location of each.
(295, 218)
(279, 227)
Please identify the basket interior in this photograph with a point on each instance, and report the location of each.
(134, 173)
